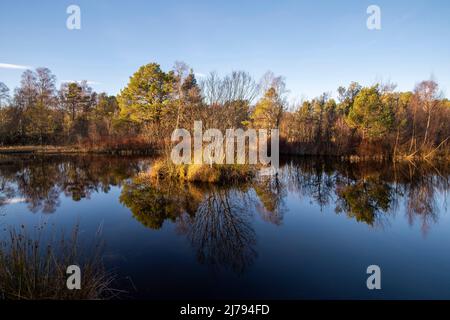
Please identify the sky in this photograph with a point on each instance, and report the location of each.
(316, 45)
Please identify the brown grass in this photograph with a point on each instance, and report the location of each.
(165, 169)
(122, 146)
(32, 268)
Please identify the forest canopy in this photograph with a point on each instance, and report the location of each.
(372, 121)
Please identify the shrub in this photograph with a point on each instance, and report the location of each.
(165, 169)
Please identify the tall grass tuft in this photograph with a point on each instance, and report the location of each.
(215, 174)
(33, 267)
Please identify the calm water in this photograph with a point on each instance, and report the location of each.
(308, 233)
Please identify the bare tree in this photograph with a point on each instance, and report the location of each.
(269, 110)
(239, 86)
(46, 87)
(229, 97)
(212, 89)
(270, 80)
(181, 71)
(427, 93)
(4, 94)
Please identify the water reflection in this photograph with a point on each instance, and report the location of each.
(271, 193)
(370, 192)
(218, 221)
(366, 200)
(40, 181)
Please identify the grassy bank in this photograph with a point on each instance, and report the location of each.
(40, 150)
(77, 149)
(195, 171)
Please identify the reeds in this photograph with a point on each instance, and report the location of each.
(204, 173)
(33, 267)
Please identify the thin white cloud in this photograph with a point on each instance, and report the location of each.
(13, 66)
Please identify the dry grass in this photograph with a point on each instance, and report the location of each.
(41, 149)
(32, 268)
(165, 169)
(121, 146)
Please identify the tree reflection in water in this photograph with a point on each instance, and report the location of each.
(153, 203)
(217, 220)
(40, 181)
(221, 230)
(271, 193)
(366, 200)
(421, 196)
(371, 191)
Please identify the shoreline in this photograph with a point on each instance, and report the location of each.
(80, 150)
(56, 150)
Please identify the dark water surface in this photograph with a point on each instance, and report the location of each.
(311, 232)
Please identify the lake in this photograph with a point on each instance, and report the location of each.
(309, 232)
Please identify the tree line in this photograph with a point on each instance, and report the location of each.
(38, 113)
(373, 120)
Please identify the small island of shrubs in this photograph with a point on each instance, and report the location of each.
(202, 173)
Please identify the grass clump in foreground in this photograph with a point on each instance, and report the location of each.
(223, 173)
(32, 268)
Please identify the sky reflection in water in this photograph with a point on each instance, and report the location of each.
(310, 232)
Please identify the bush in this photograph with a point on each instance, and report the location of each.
(165, 169)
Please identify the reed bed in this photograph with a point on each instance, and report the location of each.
(33, 266)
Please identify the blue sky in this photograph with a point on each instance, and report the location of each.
(317, 45)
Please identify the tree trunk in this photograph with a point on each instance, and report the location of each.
(426, 130)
